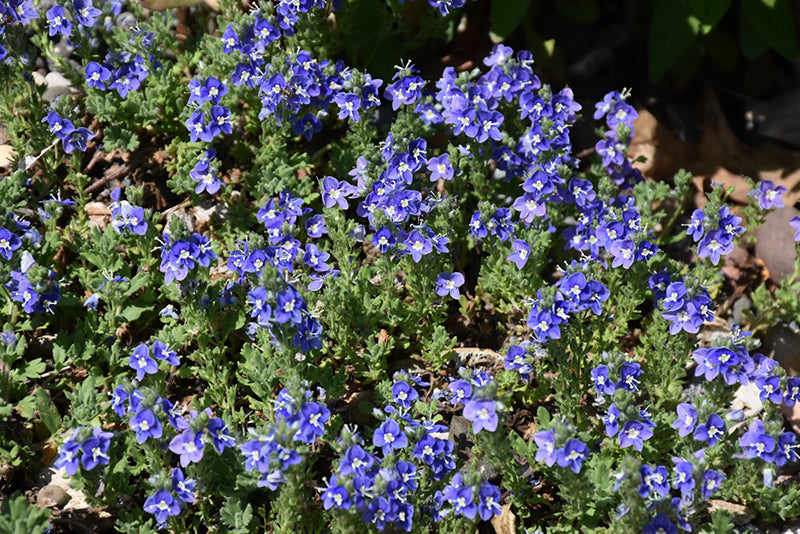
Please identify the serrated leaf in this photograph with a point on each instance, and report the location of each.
(119, 137)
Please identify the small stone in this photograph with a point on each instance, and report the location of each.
(57, 85)
(747, 398)
(782, 344)
(740, 514)
(51, 496)
(740, 305)
(775, 245)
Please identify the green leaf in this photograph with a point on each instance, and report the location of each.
(119, 137)
(47, 410)
(773, 21)
(543, 416)
(672, 31)
(505, 16)
(131, 313)
(709, 12)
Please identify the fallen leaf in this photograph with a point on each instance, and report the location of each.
(505, 522)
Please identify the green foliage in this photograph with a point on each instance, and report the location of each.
(18, 516)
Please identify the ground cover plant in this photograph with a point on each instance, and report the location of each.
(248, 285)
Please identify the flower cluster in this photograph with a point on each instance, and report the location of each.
(125, 217)
(182, 255)
(33, 286)
(714, 233)
(272, 452)
(559, 446)
(85, 448)
(168, 502)
(475, 392)
(574, 293)
(143, 363)
(384, 489)
(205, 174)
(619, 116)
(71, 137)
(686, 307)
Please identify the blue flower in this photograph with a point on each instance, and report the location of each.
(603, 385)
(448, 284)
(146, 425)
(482, 413)
(313, 417)
(403, 394)
(611, 420)
(712, 480)
(417, 245)
(289, 306)
(161, 352)
(356, 460)
(183, 486)
(335, 496)
(786, 449)
(687, 418)
(197, 127)
(97, 75)
(756, 443)
(389, 437)
(460, 390)
(711, 431)
(9, 242)
(654, 480)
(58, 22)
(683, 480)
(77, 139)
(218, 431)
(335, 192)
(95, 449)
(220, 121)
(660, 525)
(572, 454)
(315, 226)
(633, 434)
(379, 512)
(68, 457)
(545, 441)
(189, 445)
(141, 361)
(520, 254)
(488, 501)
(349, 104)
(85, 13)
(162, 505)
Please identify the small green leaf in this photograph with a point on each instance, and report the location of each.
(543, 416)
